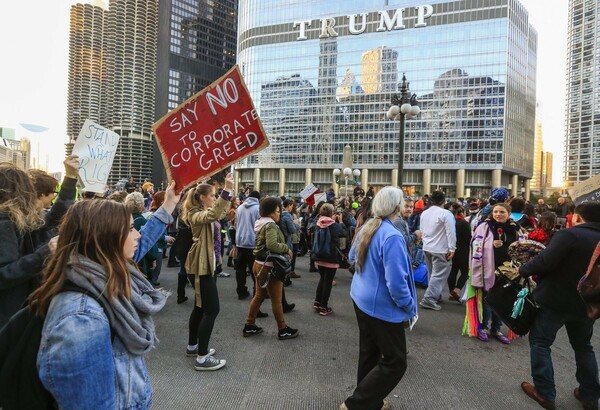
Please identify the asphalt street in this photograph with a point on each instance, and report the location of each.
(317, 370)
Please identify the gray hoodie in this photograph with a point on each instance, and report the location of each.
(245, 218)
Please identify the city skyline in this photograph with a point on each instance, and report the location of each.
(51, 48)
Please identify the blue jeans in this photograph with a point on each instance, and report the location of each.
(488, 314)
(579, 329)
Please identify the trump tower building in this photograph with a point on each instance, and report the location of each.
(322, 75)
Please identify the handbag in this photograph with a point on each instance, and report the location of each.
(589, 286)
(282, 266)
(233, 253)
(505, 296)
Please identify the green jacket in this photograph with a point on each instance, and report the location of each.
(270, 237)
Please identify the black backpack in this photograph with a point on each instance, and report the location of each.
(322, 247)
(20, 385)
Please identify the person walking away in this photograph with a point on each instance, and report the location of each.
(185, 240)
(288, 228)
(384, 297)
(460, 261)
(438, 230)
(246, 216)
(559, 269)
(296, 236)
(269, 239)
(201, 209)
(109, 328)
(235, 202)
(326, 253)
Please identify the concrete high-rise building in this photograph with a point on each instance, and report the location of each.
(130, 34)
(471, 64)
(87, 77)
(538, 152)
(130, 63)
(582, 139)
(112, 78)
(546, 179)
(197, 41)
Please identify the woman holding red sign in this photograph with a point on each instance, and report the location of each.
(201, 210)
(489, 250)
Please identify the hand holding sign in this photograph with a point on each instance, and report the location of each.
(215, 128)
(96, 147)
(71, 164)
(172, 197)
(229, 182)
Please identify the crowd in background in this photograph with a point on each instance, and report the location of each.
(89, 267)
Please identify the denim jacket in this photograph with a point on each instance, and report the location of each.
(80, 366)
(151, 232)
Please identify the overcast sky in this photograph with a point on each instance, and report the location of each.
(34, 65)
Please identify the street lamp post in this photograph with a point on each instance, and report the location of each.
(405, 106)
(348, 172)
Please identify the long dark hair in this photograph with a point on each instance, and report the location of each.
(97, 230)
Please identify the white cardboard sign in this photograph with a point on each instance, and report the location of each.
(96, 147)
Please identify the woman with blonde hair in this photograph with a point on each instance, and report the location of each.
(26, 232)
(94, 340)
(200, 211)
(384, 296)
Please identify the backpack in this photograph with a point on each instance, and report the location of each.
(589, 286)
(322, 247)
(20, 385)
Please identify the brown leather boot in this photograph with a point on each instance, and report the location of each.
(542, 401)
(586, 404)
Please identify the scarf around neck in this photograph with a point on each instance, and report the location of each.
(130, 319)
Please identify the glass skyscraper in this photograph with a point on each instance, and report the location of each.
(322, 74)
(196, 45)
(582, 140)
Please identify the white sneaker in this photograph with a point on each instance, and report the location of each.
(210, 363)
(223, 275)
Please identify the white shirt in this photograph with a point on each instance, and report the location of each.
(438, 230)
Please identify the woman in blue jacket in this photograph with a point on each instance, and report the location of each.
(384, 296)
(93, 344)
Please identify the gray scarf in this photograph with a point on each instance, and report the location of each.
(131, 319)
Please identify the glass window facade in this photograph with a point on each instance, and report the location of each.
(582, 144)
(197, 45)
(472, 68)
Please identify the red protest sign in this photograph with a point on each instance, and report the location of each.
(215, 128)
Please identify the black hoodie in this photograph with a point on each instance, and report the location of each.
(560, 267)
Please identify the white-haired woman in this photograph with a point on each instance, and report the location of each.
(135, 204)
(384, 296)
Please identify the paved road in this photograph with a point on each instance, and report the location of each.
(318, 369)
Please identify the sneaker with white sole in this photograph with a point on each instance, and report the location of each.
(429, 305)
(191, 353)
(223, 274)
(287, 333)
(210, 363)
(251, 330)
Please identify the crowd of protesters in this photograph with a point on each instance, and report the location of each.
(91, 269)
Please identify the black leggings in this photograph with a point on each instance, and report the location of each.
(202, 320)
(324, 286)
(459, 264)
